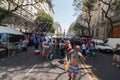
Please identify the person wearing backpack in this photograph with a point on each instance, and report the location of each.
(75, 58)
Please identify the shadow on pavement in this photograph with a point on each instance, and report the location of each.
(102, 67)
(11, 67)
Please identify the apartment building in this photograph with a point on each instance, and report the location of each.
(58, 28)
(23, 18)
(99, 24)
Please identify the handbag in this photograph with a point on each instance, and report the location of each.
(65, 65)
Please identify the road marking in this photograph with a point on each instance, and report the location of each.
(91, 75)
(30, 70)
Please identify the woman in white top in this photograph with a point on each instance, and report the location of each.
(45, 48)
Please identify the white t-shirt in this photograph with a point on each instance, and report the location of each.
(83, 46)
(46, 44)
(25, 43)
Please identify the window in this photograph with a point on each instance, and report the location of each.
(97, 32)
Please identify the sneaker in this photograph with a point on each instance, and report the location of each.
(117, 65)
(113, 63)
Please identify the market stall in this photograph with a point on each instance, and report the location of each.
(5, 34)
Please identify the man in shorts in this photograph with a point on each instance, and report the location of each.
(75, 58)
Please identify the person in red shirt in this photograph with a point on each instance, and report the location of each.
(69, 45)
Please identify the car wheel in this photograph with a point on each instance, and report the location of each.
(99, 49)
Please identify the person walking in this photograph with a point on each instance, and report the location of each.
(24, 47)
(92, 50)
(58, 48)
(84, 49)
(116, 56)
(75, 58)
(45, 48)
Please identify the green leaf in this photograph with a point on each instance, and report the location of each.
(44, 21)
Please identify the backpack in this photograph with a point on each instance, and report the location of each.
(72, 52)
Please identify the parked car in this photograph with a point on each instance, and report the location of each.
(102, 47)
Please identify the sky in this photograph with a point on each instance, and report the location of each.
(64, 12)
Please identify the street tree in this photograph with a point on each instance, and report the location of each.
(71, 28)
(14, 5)
(86, 6)
(112, 6)
(52, 29)
(116, 7)
(44, 22)
(79, 28)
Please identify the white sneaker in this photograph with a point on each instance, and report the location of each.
(117, 65)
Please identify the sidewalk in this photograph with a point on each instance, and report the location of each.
(34, 68)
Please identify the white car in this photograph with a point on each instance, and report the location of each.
(102, 47)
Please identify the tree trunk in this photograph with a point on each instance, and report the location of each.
(110, 29)
(89, 32)
(2, 17)
(89, 20)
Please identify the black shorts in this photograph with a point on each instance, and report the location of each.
(24, 48)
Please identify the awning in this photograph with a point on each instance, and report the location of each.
(9, 30)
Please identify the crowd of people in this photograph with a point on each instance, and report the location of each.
(67, 49)
(71, 50)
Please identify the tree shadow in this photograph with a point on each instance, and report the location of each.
(23, 64)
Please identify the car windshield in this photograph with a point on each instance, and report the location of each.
(103, 44)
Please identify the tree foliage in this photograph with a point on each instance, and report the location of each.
(75, 26)
(14, 5)
(44, 22)
(116, 6)
(86, 6)
(109, 4)
(52, 29)
(78, 26)
(71, 28)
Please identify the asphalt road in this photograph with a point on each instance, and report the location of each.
(102, 67)
(34, 68)
(39, 68)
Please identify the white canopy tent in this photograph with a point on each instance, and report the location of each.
(9, 30)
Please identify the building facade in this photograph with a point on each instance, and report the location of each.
(99, 24)
(58, 29)
(23, 18)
